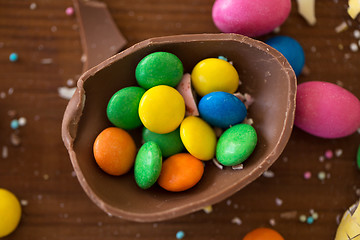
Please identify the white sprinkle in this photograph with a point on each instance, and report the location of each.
(238, 167)
(73, 174)
(339, 83)
(236, 221)
(83, 58)
(2, 95)
(338, 152)
(100, 224)
(285, 159)
(321, 159)
(33, 6)
(22, 121)
(357, 192)
(341, 27)
(217, 164)
(47, 61)
(278, 201)
(113, 48)
(313, 49)
(70, 82)
(269, 174)
(10, 91)
(66, 93)
(277, 30)
(354, 47)
(40, 197)
(356, 33)
(228, 202)
(53, 28)
(272, 222)
(155, 225)
(248, 121)
(5, 152)
(347, 56)
(24, 202)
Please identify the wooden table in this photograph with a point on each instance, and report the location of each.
(39, 171)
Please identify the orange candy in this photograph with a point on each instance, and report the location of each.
(263, 234)
(180, 172)
(114, 151)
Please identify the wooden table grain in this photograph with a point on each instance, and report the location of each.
(40, 173)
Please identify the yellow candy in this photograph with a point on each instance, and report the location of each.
(10, 212)
(213, 74)
(161, 109)
(198, 138)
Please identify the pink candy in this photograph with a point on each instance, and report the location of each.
(69, 11)
(326, 110)
(250, 17)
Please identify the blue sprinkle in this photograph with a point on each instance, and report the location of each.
(14, 124)
(310, 220)
(222, 58)
(13, 57)
(180, 235)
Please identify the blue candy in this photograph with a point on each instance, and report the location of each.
(222, 109)
(291, 50)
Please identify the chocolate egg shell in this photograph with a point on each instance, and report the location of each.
(272, 112)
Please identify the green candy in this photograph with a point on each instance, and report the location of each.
(358, 157)
(159, 68)
(122, 109)
(148, 164)
(169, 143)
(236, 144)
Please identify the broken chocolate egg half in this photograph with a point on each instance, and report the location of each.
(265, 74)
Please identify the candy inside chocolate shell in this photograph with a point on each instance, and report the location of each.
(265, 74)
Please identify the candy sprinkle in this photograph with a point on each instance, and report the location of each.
(180, 235)
(302, 218)
(307, 175)
(13, 57)
(14, 124)
(69, 11)
(329, 154)
(310, 220)
(208, 209)
(321, 175)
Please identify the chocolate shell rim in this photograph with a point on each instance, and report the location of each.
(75, 106)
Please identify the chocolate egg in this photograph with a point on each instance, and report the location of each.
(326, 110)
(272, 113)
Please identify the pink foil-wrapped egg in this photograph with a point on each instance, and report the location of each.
(326, 110)
(250, 17)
